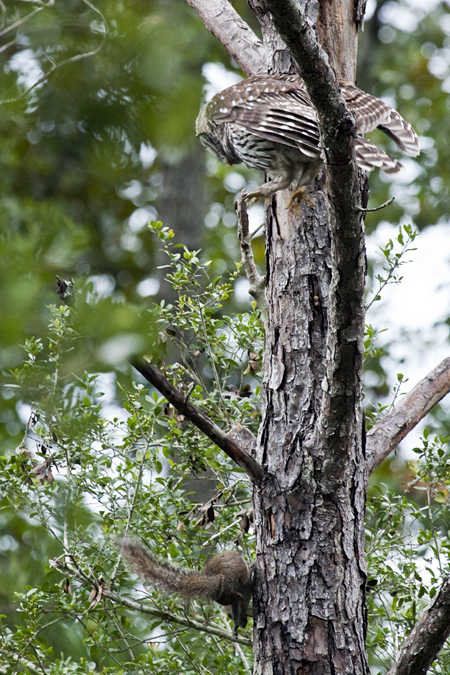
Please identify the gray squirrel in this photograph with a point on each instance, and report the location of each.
(225, 579)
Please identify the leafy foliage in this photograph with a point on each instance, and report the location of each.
(392, 259)
(85, 473)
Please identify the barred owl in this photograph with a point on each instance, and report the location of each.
(269, 123)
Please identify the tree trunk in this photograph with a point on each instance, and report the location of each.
(309, 600)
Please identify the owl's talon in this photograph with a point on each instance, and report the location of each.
(253, 197)
(250, 199)
(300, 195)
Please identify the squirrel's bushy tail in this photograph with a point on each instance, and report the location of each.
(170, 579)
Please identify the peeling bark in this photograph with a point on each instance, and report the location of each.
(310, 569)
(309, 598)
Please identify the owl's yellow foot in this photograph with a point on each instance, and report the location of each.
(298, 196)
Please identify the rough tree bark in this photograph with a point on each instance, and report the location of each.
(309, 599)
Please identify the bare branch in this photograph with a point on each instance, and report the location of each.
(26, 18)
(222, 20)
(257, 282)
(385, 436)
(426, 639)
(201, 421)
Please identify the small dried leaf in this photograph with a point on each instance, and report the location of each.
(245, 523)
(95, 596)
(42, 471)
(200, 521)
(25, 451)
(42, 467)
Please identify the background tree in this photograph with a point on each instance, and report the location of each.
(114, 463)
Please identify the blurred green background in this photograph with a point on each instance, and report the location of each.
(105, 143)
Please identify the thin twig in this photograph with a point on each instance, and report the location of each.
(6, 46)
(191, 658)
(217, 535)
(213, 365)
(255, 232)
(131, 509)
(65, 62)
(170, 617)
(377, 208)
(26, 18)
(166, 616)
